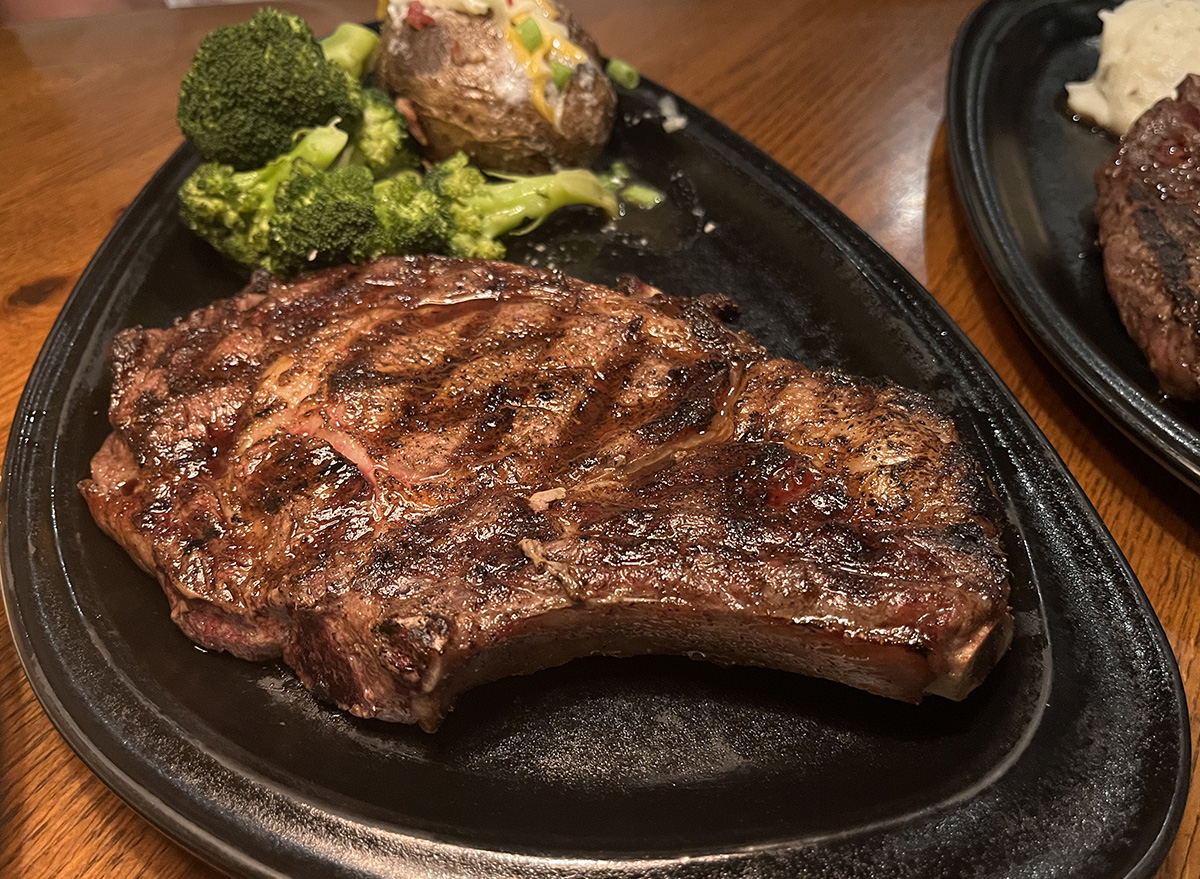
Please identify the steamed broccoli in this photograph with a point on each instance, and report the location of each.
(381, 140)
(235, 211)
(409, 218)
(352, 47)
(466, 212)
(321, 218)
(302, 211)
(252, 85)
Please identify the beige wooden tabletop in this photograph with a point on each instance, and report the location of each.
(848, 96)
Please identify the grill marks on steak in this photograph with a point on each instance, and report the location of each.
(414, 476)
(1149, 215)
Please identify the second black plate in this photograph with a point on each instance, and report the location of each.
(1072, 757)
(1024, 169)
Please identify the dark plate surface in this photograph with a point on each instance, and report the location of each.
(1071, 759)
(1024, 169)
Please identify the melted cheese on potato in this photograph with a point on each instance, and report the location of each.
(555, 46)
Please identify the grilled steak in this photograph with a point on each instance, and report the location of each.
(415, 476)
(1149, 215)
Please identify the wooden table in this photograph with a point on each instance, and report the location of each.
(847, 96)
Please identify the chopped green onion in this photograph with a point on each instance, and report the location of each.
(530, 34)
(562, 74)
(622, 73)
(642, 196)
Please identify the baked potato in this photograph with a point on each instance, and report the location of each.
(518, 86)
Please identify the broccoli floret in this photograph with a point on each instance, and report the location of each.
(252, 85)
(321, 218)
(381, 140)
(410, 218)
(234, 210)
(379, 137)
(478, 211)
(352, 47)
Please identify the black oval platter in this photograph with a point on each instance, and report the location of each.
(1024, 169)
(1071, 759)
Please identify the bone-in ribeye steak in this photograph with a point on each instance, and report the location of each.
(414, 476)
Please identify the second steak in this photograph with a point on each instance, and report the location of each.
(1149, 215)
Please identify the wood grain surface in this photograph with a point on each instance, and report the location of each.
(847, 96)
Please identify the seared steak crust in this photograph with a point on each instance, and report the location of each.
(414, 476)
(1149, 215)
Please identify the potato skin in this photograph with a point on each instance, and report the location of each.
(469, 93)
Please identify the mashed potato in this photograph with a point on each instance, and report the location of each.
(1146, 48)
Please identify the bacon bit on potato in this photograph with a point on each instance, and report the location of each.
(410, 116)
(417, 16)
